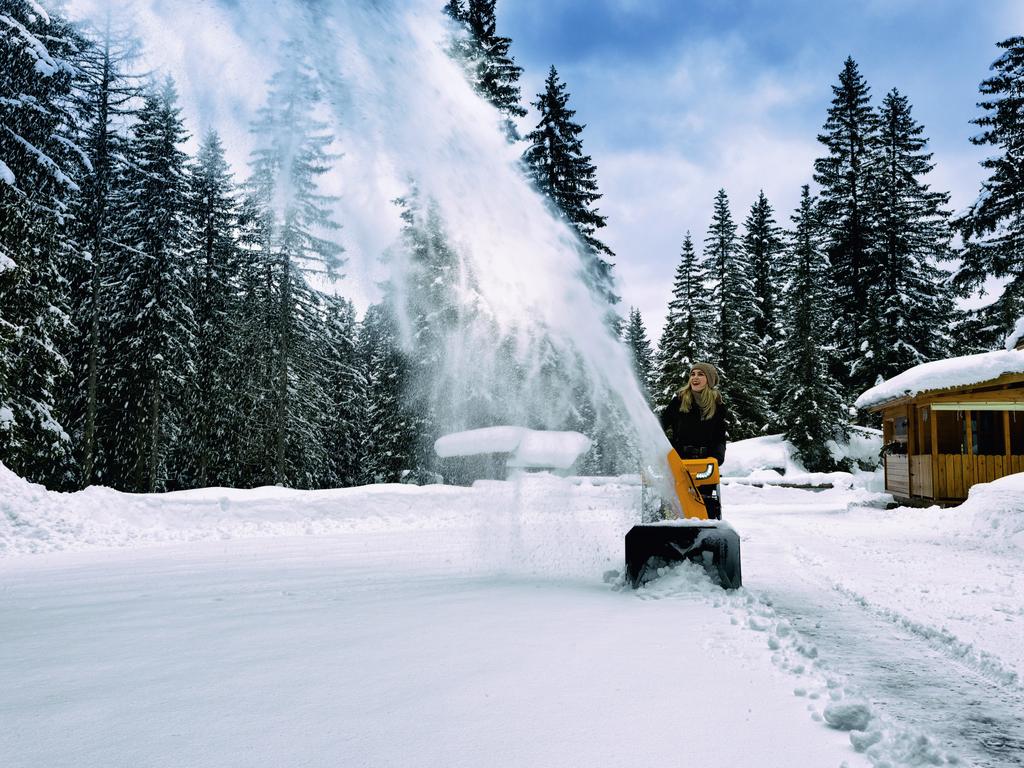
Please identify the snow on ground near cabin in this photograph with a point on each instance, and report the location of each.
(942, 374)
(428, 626)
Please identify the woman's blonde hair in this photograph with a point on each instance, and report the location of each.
(707, 401)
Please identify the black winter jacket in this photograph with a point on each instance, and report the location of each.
(691, 436)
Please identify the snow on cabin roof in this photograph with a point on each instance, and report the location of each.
(944, 374)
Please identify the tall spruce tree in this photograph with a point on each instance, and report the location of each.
(641, 352)
(392, 423)
(567, 178)
(810, 403)
(912, 302)
(212, 211)
(150, 316)
(484, 54)
(993, 226)
(107, 97)
(39, 159)
(686, 336)
(845, 176)
(763, 245)
(289, 215)
(346, 388)
(734, 346)
(432, 307)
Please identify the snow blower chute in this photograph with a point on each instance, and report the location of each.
(695, 537)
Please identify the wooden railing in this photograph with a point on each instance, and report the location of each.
(954, 474)
(958, 472)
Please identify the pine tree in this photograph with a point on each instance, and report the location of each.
(150, 318)
(431, 305)
(346, 387)
(212, 211)
(567, 178)
(107, 97)
(641, 352)
(392, 425)
(685, 338)
(288, 215)
(39, 160)
(993, 226)
(762, 247)
(734, 345)
(811, 406)
(845, 177)
(913, 233)
(484, 54)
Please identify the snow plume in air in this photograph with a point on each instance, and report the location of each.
(488, 283)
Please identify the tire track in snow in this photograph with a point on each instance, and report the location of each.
(918, 678)
(833, 698)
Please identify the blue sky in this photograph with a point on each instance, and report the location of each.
(683, 98)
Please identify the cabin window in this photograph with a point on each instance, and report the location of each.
(951, 431)
(987, 433)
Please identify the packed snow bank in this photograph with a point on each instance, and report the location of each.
(943, 374)
(769, 460)
(536, 524)
(529, 448)
(997, 509)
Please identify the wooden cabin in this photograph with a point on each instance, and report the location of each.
(949, 424)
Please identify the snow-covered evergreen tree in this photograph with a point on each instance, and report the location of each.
(392, 423)
(149, 317)
(107, 97)
(568, 179)
(911, 298)
(686, 336)
(289, 215)
(346, 387)
(641, 352)
(845, 176)
(39, 160)
(485, 55)
(763, 245)
(212, 211)
(432, 307)
(735, 348)
(810, 403)
(993, 226)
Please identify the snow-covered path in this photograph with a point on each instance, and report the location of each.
(895, 626)
(420, 627)
(364, 652)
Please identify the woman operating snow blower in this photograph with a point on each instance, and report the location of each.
(696, 423)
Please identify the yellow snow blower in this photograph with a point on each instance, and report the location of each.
(694, 536)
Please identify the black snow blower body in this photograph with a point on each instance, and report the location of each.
(694, 536)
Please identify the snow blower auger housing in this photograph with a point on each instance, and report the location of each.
(694, 537)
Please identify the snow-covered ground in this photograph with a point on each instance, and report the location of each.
(405, 626)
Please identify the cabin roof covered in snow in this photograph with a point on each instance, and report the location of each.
(945, 374)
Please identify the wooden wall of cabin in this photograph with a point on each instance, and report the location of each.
(940, 454)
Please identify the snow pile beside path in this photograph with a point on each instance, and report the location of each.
(770, 460)
(771, 453)
(998, 509)
(536, 524)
